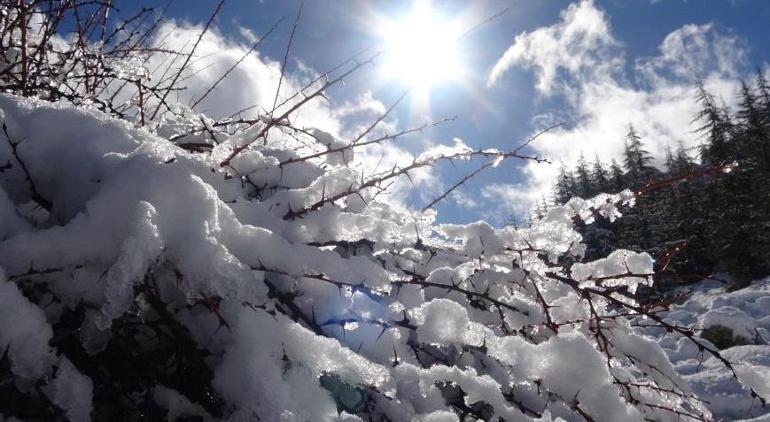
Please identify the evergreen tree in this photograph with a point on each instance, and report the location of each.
(565, 185)
(716, 125)
(584, 185)
(734, 211)
(600, 178)
(637, 160)
(754, 124)
(617, 178)
(669, 158)
(683, 202)
(763, 89)
(723, 216)
(748, 248)
(637, 231)
(681, 162)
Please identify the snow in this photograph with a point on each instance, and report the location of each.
(178, 405)
(439, 416)
(459, 149)
(72, 392)
(731, 317)
(605, 271)
(441, 321)
(745, 313)
(31, 357)
(318, 309)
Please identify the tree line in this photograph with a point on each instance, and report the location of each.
(713, 221)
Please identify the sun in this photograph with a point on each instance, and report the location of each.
(421, 48)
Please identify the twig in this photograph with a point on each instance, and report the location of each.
(45, 203)
(286, 56)
(273, 122)
(369, 142)
(231, 68)
(458, 184)
(189, 56)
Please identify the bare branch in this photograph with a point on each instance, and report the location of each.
(189, 56)
(286, 56)
(231, 68)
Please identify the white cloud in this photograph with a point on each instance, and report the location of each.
(253, 82)
(247, 34)
(580, 59)
(464, 200)
(580, 45)
(694, 50)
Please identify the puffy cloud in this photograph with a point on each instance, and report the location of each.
(580, 45)
(694, 50)
(464, 200)
(580, 59)
(253, 83)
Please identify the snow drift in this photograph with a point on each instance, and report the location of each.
(352, 311)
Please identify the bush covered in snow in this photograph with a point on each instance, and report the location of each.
(156, 262)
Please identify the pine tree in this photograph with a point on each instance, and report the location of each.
(723, 216)
(600, 178)
(565, 185)
(763, 173)
(669, 158)
(763, 89)
(585, 187)
(715, 125)
(754, 124)
(682, 203)
(638, 231)
(748, 248)
(617, 180)
(637, 160)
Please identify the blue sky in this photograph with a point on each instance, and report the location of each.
(596, 66)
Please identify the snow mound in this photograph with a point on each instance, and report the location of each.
(303, 296)
(746, 316)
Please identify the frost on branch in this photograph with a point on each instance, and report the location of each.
(290, 309)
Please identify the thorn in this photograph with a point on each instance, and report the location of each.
(410, 178)
(384, 328)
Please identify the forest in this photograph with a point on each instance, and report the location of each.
(707, 211)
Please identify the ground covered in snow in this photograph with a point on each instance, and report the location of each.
(739, 322)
